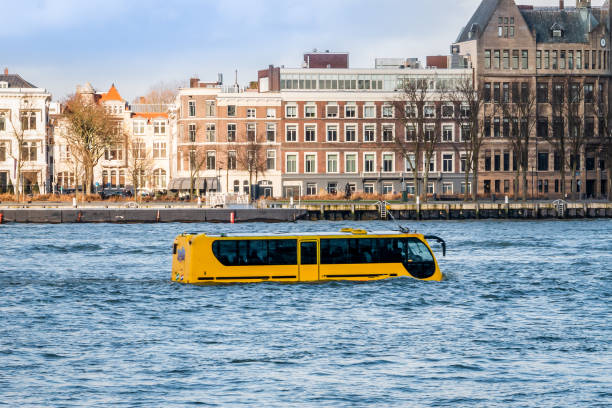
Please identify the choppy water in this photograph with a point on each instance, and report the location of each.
(88, 317)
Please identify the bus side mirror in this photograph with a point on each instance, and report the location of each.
(439, 240)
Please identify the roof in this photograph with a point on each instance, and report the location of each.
(150, 115)
(357, 233)
(479, 20)
(15, 81)
(111, 95)
(576, 24)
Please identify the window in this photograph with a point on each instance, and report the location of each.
(496, 59)
(410, 133)
(231, 132)
(466, 111)
(496, 162)
(159, 127)
(3, 150)
(429, 133)
(369, 163)
(557, 33)
(496, 127)
(447, 133)
(28, 121)
(387, 188)
(542, 161)
(159, 150)
(448, 111)
(431, 188)
(350, 163)
(487, 162)
(431, 163)
(29, 151)
(555, 60)
(463, 163)
(368, 188)
(429, 111)
(369, 111)
(310, 163)
(546, 59)
(271, 132)
(524, 59)
(350, 111)
(291, 163)
(332, 188)
(139, 127)
(211, 160)
(310, 134)
(256, 252)
(270, 113)
(506, 161)
(387, 111)
(332, 111)
(588, 93)
(558, 93)
(332, 133)
(2, 122)
(469, 188)
(251, 113)
(350, 133)
(159, 178)
(271, 160)
(310, 111)
(251, 135)
(211, 108)
(231, 163)
(211, 132)
(466, 132)
(562, 59)
(496, 92)
(231, 110)
(589, 126)
(411, 111)
(487, 59)
(506, 92)
(542, 92)
(369, 133)
(586, 59)
(115, 152)
(570, 60)
(332, 162)
(578, 59)
(388, 133)
(539, 59)
(192, 108)
(387, 162)
(311, 189)
(515, 59)
(291, 111)
(542, 127)
(291, 133)
(506, 59)
(192, 132)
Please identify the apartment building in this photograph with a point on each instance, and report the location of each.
(143, 149)
(307, 131)
(550, 52)
(23, 134)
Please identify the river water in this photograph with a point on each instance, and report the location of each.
(89, 317)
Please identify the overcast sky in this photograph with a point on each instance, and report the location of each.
(57, 44)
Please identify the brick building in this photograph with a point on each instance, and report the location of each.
(548, 51)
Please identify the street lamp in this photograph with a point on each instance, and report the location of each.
(532, 177)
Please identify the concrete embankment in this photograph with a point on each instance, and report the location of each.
(458, 211)
(145, 215)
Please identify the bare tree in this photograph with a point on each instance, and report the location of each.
(410, 106)
(469, 102)
(17, 152)
(90, 131)
(569, 135)
(520, 111)
(139, 163)
(250, 156)
(601, 109)
(161, 93)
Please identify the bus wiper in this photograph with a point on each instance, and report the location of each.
(439, 240)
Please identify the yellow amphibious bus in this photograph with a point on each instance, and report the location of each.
(351, 254)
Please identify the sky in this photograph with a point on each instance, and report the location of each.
(137, 44)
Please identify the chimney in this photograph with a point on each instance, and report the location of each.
(5, 71)
(193, 82)
(561, 5)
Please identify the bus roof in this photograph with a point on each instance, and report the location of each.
(344, 232)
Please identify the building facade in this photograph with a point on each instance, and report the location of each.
(548, 52)
(23, 135)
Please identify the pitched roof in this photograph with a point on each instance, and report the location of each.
(15, 81)
(479, 20)
(111, 95)
(576, 24)
(150, 115)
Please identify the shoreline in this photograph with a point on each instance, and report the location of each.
(56, 213)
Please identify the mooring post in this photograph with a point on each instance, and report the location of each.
(536, 210)
(477, 211)
(507, 206)
(585, 210)
(418, 208)
(322, 212)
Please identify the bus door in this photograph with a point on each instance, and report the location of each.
(309, 260)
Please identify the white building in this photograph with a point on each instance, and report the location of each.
(23, 116)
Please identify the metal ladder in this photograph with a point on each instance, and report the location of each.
(561, 207)
(382, 207)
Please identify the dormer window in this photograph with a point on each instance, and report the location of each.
(557, 33)
(3, 84)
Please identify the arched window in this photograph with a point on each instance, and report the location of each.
(105, 178)
(121, 179)
(159, 178)
(113, 178)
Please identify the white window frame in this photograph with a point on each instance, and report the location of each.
(297, 162)
(355, 126)
(369, 185)
(332, 104)
(433, 160)
(382, 127)
(270, 112)
(387, 107)
(297, 133)
(446, 185)
(452, 126)
(385, 186)
(425, 107)
(273, 127)
(271, 154)
(354, 107)
(331, 125)
(356, 154)
(442, 154)
(313, 125)
(140, 127)
(383, 162)
(294, 108)
(191, 103)
(442, 111)
(316, 162)
(373, 165)
(369, 105)
(337, 154)
(407, 165)
(316, 188)
(310, 105)
(159, 127)
(251, 113)
(364, 132)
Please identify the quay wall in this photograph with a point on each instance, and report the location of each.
(146, 215)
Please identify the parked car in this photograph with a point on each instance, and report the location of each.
(115, 192)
